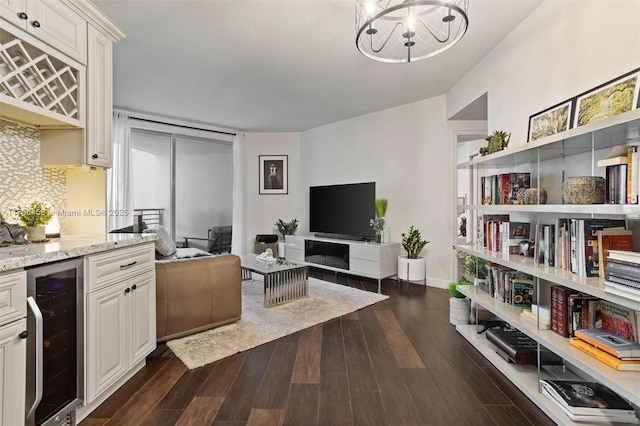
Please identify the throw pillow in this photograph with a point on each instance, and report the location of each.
(164, 244)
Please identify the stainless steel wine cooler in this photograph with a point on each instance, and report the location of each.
(55, 343)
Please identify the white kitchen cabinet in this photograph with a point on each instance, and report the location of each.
(49, 21)
(550, 160)
(99, 99)
(120, 317)
(12, 372)
(13, 347)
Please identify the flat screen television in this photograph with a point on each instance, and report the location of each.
(343, 210)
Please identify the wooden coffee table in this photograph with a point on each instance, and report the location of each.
(284, 280)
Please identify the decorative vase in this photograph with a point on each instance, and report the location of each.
(583, 190)
(36, 233)
(386, 234)
(281, 248)
(378, 236)
(535, 196)
(411, 269)
(459, 310)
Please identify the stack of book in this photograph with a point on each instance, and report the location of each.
(609, 348)
(623, 274)
(589, 402)
(622, 175)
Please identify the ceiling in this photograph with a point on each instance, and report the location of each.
(277, 65)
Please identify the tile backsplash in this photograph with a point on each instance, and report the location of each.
(22, 179)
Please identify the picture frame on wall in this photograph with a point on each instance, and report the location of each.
(550, 121)
(273, 174)
(609, 99)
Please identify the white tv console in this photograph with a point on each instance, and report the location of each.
(363, 259)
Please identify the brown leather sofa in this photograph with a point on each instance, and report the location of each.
(196, 294)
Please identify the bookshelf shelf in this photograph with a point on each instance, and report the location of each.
(592, 285)
(524, 377)
(548, 161)
(595, 209)
(627, 384)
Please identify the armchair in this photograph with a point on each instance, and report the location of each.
(218, 239)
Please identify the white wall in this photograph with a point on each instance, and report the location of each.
(262, 211)
(405, 151)
(562, 49)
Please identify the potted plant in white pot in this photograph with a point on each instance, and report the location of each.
(34, 217)
(459, 305)
(285, 228)
(412, 267)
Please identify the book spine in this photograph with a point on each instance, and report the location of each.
(598, 344)
(629, 178)
(635, 168)
(602, 356)
(621, 184)
(626, 283)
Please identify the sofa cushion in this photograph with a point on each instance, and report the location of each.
(164, 244)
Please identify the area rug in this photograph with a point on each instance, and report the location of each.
(260, 325)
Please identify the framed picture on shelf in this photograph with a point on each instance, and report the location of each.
(550, 121)
(273, 174)
(610, 99)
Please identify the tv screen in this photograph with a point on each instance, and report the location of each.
(343, 209)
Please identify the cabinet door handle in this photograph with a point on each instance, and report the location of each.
(35, 24)
(128, 265)
(127, 290)
(23, 15)
(24, 334)
(94, 156)
(133, 287)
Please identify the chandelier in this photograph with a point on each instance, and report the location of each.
(397, 31)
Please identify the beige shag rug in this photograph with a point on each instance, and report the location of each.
(261, 325)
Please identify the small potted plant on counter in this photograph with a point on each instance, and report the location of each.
(412, 267)
(34, 217)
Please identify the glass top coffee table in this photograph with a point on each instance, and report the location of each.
(284, 281)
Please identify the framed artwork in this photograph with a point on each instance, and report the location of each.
(612, 98)
(550, 121)
(274, 176)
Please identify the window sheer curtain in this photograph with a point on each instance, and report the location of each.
(119, 176)
(238, 243)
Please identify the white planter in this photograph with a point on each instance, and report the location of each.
(281, 246)
(412, 269)
(36, 233)
(459, 310)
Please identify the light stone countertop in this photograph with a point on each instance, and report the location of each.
(66, 247)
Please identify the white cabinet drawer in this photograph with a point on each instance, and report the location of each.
(116, 265)
(364, 252)
(365, 267)
(294, 242)
(13, 296)
(295, 254)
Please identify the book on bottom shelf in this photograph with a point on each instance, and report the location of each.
(610, 342)
(518, 348)
(604, 357)
(588, 401)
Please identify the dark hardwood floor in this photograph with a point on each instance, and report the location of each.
(398, 362)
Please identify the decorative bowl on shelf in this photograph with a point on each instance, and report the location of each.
(583, 190)
(535, 196)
